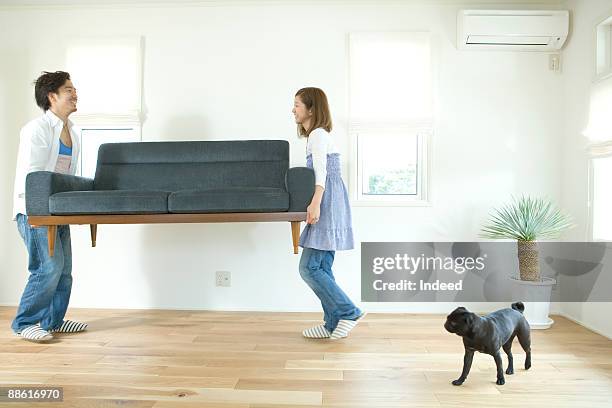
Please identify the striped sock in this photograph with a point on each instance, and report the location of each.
(35, 333)
(317, 332)
(344, 327)
(70, 326)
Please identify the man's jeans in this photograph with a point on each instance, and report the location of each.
(316, 270)
(46, 295)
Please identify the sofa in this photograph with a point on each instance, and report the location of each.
(175, 182)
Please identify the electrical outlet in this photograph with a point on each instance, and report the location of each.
(223, 278)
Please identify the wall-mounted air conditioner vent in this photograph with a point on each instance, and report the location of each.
(521, 30)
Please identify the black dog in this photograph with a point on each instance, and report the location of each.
(488, 333)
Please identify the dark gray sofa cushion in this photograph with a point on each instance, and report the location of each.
(109, 202)
(232, 199)
(174, 166)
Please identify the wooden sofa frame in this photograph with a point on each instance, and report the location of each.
(52, 221)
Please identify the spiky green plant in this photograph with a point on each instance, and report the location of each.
(527, 219)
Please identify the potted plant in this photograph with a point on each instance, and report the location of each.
(526, 220)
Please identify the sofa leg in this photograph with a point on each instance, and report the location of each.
(295, 235)
(51, 233)
(93, 228)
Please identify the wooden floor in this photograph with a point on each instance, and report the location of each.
(248, 360)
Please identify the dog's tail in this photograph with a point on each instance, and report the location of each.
(519, 306)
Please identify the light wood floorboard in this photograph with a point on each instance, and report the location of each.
(185, 359)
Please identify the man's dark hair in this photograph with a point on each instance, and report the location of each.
(48, 82)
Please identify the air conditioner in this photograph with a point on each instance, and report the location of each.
(519, 30)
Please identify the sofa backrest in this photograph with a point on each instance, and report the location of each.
(172, 166)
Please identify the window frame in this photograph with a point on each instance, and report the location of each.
(135, 129)
(423, 135)
(603, 29)
(595, 151)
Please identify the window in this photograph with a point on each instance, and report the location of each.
(604, 48)
(391, 119)
(599, 133)
(107, 73)
(390, 164)
(92, 138)
(599, 128)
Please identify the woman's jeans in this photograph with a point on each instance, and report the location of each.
(316, 270)
(46, 295)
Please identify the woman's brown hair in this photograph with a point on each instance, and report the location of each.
(315, 101)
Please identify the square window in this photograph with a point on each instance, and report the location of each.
(388, 164)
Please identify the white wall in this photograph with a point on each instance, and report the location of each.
(579, 71)
(230, 72)
(16, 94)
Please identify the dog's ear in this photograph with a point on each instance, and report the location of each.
(459, 310)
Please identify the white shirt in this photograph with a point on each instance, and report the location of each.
(320, 144)
(39, 143)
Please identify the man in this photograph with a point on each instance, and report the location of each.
(48, 143)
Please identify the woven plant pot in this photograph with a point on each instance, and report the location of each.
(529, 267)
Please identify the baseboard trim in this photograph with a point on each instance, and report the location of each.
(586, 326)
